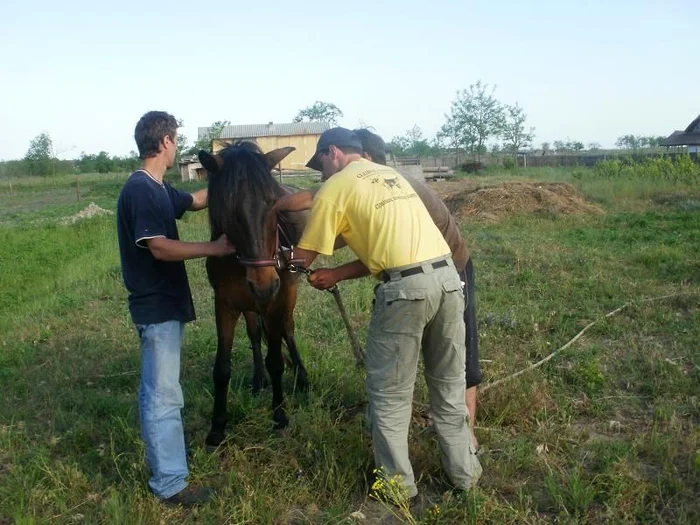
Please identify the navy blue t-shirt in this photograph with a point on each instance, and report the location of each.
(158, 290)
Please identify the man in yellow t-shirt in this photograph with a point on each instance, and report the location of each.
(374, 150)
(418, 304)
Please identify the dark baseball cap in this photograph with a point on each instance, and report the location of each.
(339, 137)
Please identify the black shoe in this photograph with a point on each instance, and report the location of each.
(190, 496)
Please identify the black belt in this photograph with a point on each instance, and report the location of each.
(415, 270)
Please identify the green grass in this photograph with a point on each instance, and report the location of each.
(605, 431)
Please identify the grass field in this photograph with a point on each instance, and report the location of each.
(606, 431)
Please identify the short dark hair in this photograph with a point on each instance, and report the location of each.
(348, 150)
(345, 149)
(151, 129)
(373, 145)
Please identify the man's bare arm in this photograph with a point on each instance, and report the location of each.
(165, 249)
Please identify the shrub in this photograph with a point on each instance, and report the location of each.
(682, 169)
(471, 167)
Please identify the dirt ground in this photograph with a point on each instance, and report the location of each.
(468, 198)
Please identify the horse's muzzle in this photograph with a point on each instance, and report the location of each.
(264, 291)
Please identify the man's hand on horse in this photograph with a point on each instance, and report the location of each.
(295, 202)
(323, 278)
(222, 246)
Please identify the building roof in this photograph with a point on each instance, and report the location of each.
(681, 138)
(694, 126)
(688, 137)
(248, 131)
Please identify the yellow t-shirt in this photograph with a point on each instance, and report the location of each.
(378, 214)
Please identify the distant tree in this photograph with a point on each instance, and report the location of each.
(415, 134)
(12, 168)
(417, 144)
(577, 146)
(182, 146)
(594, 146)
(398, 145)
(86, 163)
(181, 142)
(559, 146)
(651, 141)
(475, 116)
(455, 136)
(213, 132)
(128, 163)
(421, 148)
(319, 112)
(438, 144)
(545, 148)
(513, 131)
(38, 159)
(627, 142)
(103, 163)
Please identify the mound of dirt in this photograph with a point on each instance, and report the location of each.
(514, 198)
(93, 210)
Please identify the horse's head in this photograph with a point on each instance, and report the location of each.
(242, 192)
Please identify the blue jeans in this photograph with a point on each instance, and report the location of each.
(160, 402)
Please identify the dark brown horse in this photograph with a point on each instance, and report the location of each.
(256, 280)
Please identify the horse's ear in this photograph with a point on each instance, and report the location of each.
(274, 157)
(212, 163)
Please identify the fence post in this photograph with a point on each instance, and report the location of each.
(77, 188)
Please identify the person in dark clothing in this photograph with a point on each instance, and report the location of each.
(160, 302)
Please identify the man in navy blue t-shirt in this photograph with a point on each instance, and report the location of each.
(160, 301)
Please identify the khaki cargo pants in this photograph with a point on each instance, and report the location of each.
(419, 312)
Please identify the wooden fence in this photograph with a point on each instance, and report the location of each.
(535, 161)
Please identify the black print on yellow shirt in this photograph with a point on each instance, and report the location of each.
(384, 202)
(375, 172)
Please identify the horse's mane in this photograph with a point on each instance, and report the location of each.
(244, 182)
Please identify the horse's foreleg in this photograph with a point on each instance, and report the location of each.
(226, 318)
(255, 335)
(300, 376)
(275, 367)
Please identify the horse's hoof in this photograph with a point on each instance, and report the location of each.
(302, 382)
(281, 432)
(280, 419)
(214, 439)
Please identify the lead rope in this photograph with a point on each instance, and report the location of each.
(356, 347)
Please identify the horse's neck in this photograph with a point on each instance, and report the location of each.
(295, 221)
(288, 190)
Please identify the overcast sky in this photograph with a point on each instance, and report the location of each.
(588, 71)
